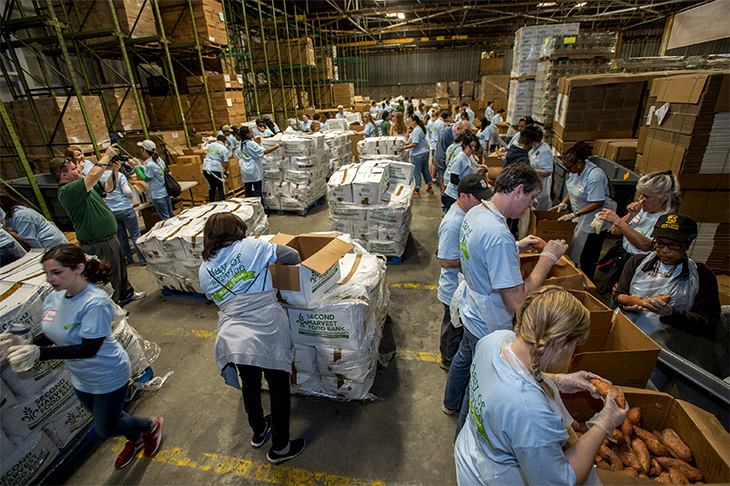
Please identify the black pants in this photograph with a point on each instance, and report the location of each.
(111, 251)
(215, 181)
(446, 202)
(279, 399)
(450, 337)
(591, 253)
(252, 189)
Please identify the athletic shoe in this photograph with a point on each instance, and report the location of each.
(447, 411)
(444, 365)
(429, 190)
(153, 438)
(130, 450)
(296, 447)
(417, 192)
(138, 296)
(260, 439)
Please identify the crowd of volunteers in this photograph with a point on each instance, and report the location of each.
(500, 330)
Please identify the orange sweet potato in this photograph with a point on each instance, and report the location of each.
(629, 471)
(609, 456)
(692, 473)
(617, 437)
(604, 389)
(626, 429)
(677, 448)
(628, 457)
(652, 443)
(642, 453)
(634, 415)
(676, 476)
(656, 468)
(630, 300)
(664, 478)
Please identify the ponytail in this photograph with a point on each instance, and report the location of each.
(153, 154)
(71, 256)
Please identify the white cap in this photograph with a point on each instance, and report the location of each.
(340, 107)
(148, 145)
(435, 105)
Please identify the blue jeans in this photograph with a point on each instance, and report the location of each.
(163, 207)
(127, 222)
(455, 395)
(421, 167)
(109, 418)
(9, 253)
(440, 173)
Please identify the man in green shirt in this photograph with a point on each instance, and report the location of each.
(93, 221)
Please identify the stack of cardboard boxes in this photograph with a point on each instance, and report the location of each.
(343, 94)
(135, 17)
(120, 109)
(226, 100)
(340, 151)
(494, 87)
(210, 24)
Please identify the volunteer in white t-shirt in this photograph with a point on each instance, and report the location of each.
(541, 159)
(253, 335)
(153, 174)
(215, 168)
(493, 286)
(306, 123)
(29, 224)
(77, 327)
(658, 194)
(127, 218)
(250, 163)
(588, 193)
(462, 164)
(517, 423)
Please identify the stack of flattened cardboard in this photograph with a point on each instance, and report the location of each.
(343, 94)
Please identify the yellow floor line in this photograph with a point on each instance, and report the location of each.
(430, 357)
(413, 286)
(250, 470)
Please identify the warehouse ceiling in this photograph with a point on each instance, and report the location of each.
(402, 24)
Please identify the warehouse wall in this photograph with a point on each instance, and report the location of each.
(413, 68)
(409, 90)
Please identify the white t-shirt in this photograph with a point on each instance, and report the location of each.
(216, 154)
(490, 262)
(589, 186)
(116, 200)
(449, 250)
(87, 315)
(643, 223)
(542, 158)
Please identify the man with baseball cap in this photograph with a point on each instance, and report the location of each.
(472, 190)
(341, 113)
(694, 304)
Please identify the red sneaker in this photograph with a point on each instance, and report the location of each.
(417, 192)
(153, 438)
(130, 450)
(429, 190)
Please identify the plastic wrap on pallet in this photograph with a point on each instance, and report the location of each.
(67, 424)
(28, 460)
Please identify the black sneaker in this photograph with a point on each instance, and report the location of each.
(260, 439)
(296, 447)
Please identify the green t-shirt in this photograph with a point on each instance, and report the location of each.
(402, 109)
(385, 127)
(91, 217)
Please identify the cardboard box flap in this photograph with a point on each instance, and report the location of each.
(329, 251)
(710, 429)
(285, 277)
(679, 89)
(601, 315)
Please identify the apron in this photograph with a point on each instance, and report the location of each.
(645, 284)
(583, 228)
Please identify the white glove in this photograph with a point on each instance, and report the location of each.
(5, 343)
(560, 207)
(611, 416)
(576, 382)
(22, 358)
(567, 217)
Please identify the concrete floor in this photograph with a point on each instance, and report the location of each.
(402, 438)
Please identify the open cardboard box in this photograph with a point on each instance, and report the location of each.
(545, 224)
(318, 272)
(616, 349)
(563, 274)
(700, 430)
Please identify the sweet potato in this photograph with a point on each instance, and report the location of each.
(604, 389)
(628, 457)
(629, 471)
(652, 443)
(656, 468)
(626, 429)
(642, 453)
(677, 448)
(540, 245)
(617, 437)
(604, 465)
(692, 473)
(609, 456)
(663, 478)
(676, 476)
(630, 300)
(634, 415)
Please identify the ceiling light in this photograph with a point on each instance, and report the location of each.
(581, 4)
(391, 15)
(546, 4)
(401, 15)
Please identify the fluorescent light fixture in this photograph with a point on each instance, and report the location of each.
(547, 4)
(581, 4)
(401, 15)
(391, 15)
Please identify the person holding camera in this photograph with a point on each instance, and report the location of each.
(153, 173)
(93, 221)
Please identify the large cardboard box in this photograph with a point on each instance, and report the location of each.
(492, 65)
(210, 24)
(369, 184)
(616, 349)
(563, 274)
(545, 225)
(454, 89)
(723, 284)
(319, 270)
(700, 430)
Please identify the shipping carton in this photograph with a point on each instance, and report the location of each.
(318, 271)
(563, 274)
(700, 430)
(369, 184)
(545, 225)
(339, 186)
(723, 285)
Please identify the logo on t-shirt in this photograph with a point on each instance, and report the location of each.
(50, 315)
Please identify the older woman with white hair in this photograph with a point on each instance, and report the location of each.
(658, 194)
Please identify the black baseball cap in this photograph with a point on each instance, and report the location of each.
(476, 185)
(675, 226)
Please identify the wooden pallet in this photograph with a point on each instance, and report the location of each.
(300, 212)
(237, 192)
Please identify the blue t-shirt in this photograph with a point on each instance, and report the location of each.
(153, 170)
(341, 115)
(249, 161)
(240, 268)
(589, 186)
(436, 128)
(490, 261)
(116, 200)
(5, 238)
(306, 125)
(370, 131)
(265, 134)
(449, 250)
(483, 135)
(470, 114)
(87, 167)
(216, 154)
(32, 226)
(87, 315)
(417, 136)
(462, 166)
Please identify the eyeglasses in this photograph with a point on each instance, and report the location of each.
(672, 246)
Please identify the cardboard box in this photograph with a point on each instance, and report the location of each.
(454, 89)
(700, 430)
(492, 65)
(300, 284)
(563, 274)
(723, 285)
(339, 185)
(369, 184)
(707, 206)
(545, 224)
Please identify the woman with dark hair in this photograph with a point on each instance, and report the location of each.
(249, 161)
(29, 224)
(525, 121)
(588, 193)
(153, 173)
(494, 130)
(419, 154)
(483, 134)
(253, 329)
(385, 124)
(460, 166)
(77, 328)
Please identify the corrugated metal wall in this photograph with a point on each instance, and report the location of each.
(720, 46)
(424, 67)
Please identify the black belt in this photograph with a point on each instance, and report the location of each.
(102, 240)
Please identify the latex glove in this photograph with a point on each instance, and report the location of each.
(609, 216)
(5, 343)
(611, 416)
(567, 217)
(560, 207)
(527, 243)
(578, 381)
(556, 247)
(632, 308)
(22, 358)
(658, 307)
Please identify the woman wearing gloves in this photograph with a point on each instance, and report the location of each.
(419, 154)
(588, 193)
(658, 194)
(153, 174)
(78, 319)
(517, 423)
(253, 329)
(249, 160)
